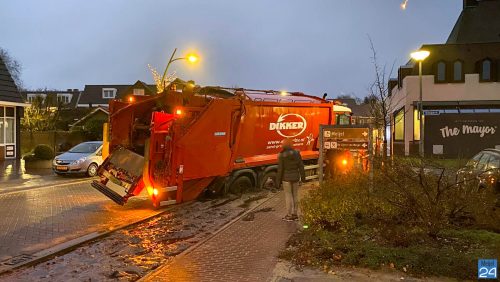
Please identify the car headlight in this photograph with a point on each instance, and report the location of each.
(79, 161)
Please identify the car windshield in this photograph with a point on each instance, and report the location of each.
(85, 148)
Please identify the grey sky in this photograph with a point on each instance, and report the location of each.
(310, 45)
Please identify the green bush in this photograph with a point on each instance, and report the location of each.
(343, 203)
(93, 129)
(43, 152)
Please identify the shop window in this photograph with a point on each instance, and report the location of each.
(399, 125)
(458, 73)
(441, 72)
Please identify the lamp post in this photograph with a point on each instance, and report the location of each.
(192, 58)
(420, 56)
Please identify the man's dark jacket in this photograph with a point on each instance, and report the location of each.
(290, 166)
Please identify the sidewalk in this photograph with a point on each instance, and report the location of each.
(246, 250)
(14, 177)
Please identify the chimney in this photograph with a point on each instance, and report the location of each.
(471, 3)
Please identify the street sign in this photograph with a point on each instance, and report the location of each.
(350, 138)
(347, 133)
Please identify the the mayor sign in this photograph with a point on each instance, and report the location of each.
(462, 134)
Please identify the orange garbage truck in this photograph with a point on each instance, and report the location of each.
(177, 145)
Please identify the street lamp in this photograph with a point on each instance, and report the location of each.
(192, 58)
(420, 56)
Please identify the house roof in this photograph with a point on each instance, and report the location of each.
(92, 94)
(478, 23)
(8, 88)
(360, 110)
(103, 109)
(52, 94)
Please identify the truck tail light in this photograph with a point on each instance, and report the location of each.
(179, 112)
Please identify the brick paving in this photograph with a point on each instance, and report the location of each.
(34, 220)
(245, 251)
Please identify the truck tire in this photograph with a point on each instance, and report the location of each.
(240, 185)
(269, 181)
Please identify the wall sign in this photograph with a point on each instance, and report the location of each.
(462, 134)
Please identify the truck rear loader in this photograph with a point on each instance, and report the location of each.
(177, 145)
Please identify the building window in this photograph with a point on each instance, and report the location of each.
(7, 125)
(139, 92)
(399, 125)
(458, 73)
(108, 93)
(416, 125)
(31, 97)
(441, 72)
(486, 70)
(64, 98)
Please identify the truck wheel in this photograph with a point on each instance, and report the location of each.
(269, 181)
(240, 185)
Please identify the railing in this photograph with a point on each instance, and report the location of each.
(312, 171)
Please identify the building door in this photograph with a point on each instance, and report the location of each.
(8, 132)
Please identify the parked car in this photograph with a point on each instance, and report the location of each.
(483, 168)
(84, 158)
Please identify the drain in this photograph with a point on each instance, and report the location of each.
(17, 260)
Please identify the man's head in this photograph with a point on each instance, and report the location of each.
(287, 143)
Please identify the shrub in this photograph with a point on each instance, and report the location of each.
(343, 203)
(43, 152)
(93, 129)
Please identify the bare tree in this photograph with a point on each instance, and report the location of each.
(379, 96)
(13, 66)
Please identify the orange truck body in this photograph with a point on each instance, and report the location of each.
(194, 142)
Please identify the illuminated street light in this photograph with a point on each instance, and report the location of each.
(192, 58)
(420, 56)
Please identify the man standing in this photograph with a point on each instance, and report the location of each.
(290, 172)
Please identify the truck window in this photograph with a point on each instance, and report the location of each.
(343, 119)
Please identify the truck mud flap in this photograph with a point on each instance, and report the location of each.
(108, 192)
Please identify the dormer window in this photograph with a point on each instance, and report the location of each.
(441, 72)
(486, 70)
(31, 97)
(108, 93)
(64, 98)
(138, 92)
(458, 73)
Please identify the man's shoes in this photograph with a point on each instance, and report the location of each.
(288, 218)
(294, 217)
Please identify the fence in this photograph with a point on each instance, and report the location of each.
(58, 140)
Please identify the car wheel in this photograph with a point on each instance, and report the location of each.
(92, 170)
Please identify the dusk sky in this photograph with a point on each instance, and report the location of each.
(311, 46)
